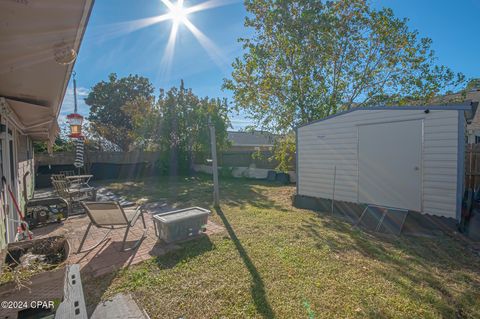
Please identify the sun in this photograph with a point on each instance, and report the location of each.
(178, 13)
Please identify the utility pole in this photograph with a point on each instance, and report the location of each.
(213, 140)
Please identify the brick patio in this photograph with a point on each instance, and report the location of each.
(108, 256)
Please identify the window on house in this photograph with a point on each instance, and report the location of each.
(477, 139)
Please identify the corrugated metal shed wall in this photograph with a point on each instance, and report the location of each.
(331, 142)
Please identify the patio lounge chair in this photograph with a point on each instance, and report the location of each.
(75, 183)
(67, 173)
(111, 215)
(72, 196)
(72, 187)
(57, 177)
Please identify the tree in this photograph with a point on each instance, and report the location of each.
(309, 59)
(473, 84)
(60, 145)
(63, 143)
(106, 101)
(177, 125)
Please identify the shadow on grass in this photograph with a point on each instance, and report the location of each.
(412, 262)
(197, 190)
(95, 287)
(258, 287)
(183, 252)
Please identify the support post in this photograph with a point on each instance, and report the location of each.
(213, 140)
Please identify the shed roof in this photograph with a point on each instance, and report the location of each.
(456, 107)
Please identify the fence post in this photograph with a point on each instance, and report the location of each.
(213, 140)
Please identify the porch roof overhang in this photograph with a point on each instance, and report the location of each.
(30, 119)
(32, 81)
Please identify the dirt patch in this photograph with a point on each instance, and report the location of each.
(25, 259)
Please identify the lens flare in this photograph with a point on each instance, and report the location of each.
(178, 13)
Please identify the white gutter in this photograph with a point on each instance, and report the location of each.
(39, 124)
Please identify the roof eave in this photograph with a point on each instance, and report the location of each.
(455, 107)
(78, 40)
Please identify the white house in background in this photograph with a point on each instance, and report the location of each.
(473, 123)
(409, 158)
(40, 40)
(251, 141)
(473, 117)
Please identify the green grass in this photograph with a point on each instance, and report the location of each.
(276, 261)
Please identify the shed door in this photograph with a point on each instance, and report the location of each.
(390, 164)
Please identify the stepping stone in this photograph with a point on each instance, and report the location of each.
(120, 306)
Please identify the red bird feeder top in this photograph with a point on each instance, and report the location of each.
(75, 121)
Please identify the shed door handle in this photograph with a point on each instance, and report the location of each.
(416, 168)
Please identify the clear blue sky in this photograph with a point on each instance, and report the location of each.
(110, 44)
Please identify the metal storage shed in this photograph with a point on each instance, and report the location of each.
(409, 158)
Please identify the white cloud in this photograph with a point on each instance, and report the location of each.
(68, 104)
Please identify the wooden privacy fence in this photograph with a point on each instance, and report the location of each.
(66, 158)
(228, 158)
(472, 166)
(111, 165)
(102, 165)
(245, 158)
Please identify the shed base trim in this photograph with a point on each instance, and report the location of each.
(416, 223)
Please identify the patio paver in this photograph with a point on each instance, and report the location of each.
(108, 256)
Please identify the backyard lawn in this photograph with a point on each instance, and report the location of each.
(276, 261)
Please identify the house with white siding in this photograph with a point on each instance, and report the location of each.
(473, 121)
(40, 41)
(408, 158)
(251, 140)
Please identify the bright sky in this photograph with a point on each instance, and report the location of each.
(120, 39)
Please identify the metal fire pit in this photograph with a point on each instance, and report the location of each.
(180, 224)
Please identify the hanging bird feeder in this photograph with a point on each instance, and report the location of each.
(75, 120)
